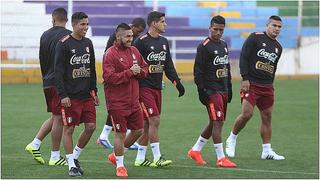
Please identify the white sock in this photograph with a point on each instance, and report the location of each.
(266, 147)
(232, 136)
(155, 147)
(199, 144)
(141, 154)
(119, 160)
(36, 143)
(55, 155)
(70, 160)
(105, 132)
(76, 152)
(219, 150)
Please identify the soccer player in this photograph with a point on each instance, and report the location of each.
(258, 63)
(75, 76)
(123, 65)
(137, 26)
(156, 52)
(48, 43)
(213, 79)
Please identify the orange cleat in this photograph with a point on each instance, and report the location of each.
(225, 162)
(112, 158)
(196, 156)
(122, 172)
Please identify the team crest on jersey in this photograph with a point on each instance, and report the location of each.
(150, 111)
(69, 119)
(73, 51)
(118, 126)
(215, 52)
(219, 113)
(121, 59)
(87, 49)
(264, 44)
(164, 47)
(152, 47)
(276, 49)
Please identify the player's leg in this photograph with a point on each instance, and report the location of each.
(195, 152)
(34, 147)
(103, 139)
(135, 145)
(143, 145)
(265, 105)
(240, 122)
(56, 135)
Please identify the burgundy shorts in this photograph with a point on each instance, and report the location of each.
(126, 119)
(217, 106)
(260, 95)
(81, 111)
(150, 100)
(52, 100)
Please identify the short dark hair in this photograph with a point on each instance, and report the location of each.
(218, 20)
(275, 17)
(122, 26)
(60, 14)
(139, 22)
(154, 16)
(77, 16)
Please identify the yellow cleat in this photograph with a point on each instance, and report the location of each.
(35, 153)
(161, 162)
(60, 162)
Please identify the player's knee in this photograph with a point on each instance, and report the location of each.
(90, 127)
(246, 116)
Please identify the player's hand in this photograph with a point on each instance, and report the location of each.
(66, 102)
(229, 92)
(96, 100)
(180, 87)
(203, 96)
(135, 69)
(245, 85)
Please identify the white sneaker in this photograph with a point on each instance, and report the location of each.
(271, 155)
(231, 147)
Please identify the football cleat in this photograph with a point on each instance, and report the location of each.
(161, 162)
(146, 162)
(35, 153)
(225, 162)
(77, 163)
(121, 172)
(112, 159)
(60, 162)
(196, 156)
(231, 147)
(74, 172)
(104, 143)
(271, 155)
(134, 146)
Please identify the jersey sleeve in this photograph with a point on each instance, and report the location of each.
(59, 69)
(93, 74)
(110, 76)
(41, 56)
(199, 67)
(246, 52)
(169, 68)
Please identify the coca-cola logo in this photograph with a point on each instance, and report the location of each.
(157, 56)
(270, 56)
(84, 59)
(221, 60)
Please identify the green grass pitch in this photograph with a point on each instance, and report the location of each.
(295, 135)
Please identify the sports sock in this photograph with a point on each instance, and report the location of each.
(219, 150)
(233, 136)
(36, 143)
(199, 144)
(76, 152)
(155, 147)
(105, 132)
(55, 155)
(119, 160)
(266, 147)
(70, 160)
(141, 154)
